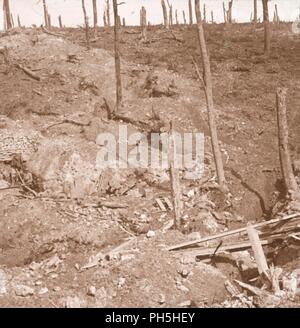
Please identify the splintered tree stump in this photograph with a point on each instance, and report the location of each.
(86, 23)
(258, 251)
(119, 96)
(190, 12)
(60, 22)
(229, 12)
(175, 180)
(267, 30)
(19, 22)
(164, 8)
(224, 13)
(143, 18)
(170, 14)
(95, 12)
(45, 14)
(108, 12)
(184, 18)
(277, 19)
(208, 88)
(104, 19)
(283, 141)
(255, 12)
(7, 15)
(12, 20)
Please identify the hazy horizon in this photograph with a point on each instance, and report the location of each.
(31, 11)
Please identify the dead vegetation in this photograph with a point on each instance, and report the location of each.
(148, 234)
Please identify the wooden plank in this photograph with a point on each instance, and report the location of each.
(169, 203)
(160, 204)
(258, 251)
(241, 246)
(232, 232)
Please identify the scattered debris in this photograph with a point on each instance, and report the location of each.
(150, 234)
(23, 290)
(92, 291)
(74, 302)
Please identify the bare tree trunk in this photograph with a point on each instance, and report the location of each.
(267, 27)
(191, 12)
(108, 12)
(4, 18)
(86, 23)
(12, 20)
(171, 16)
(49, 21)
(224, 13)
(95, 12)
(176, 17)
(19, 22)
(184, 18)
(283, 140)
(175, 180)
(277, 20)
(204, 13)
(164, 8)
(207, 79)
(212, 17)
(7, 14)
(104, 19)
(124, 22)
(60, 22)
(45, 14)
(143, 14)
(255, 12)
(274, 18)
(230, 11)
(119, 96)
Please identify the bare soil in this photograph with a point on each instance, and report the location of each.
(49, 232)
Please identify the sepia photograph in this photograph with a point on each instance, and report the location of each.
(150, 156)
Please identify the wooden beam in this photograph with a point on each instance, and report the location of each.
(283, 142)
(233, 232)
(258, 251)
(175, 180)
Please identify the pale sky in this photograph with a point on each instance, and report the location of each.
(31, 11)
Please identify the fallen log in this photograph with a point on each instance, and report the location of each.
(154, 125)
(52, 33)
(29, 72)
(232, 232)
(69, 121)
(106, 204)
